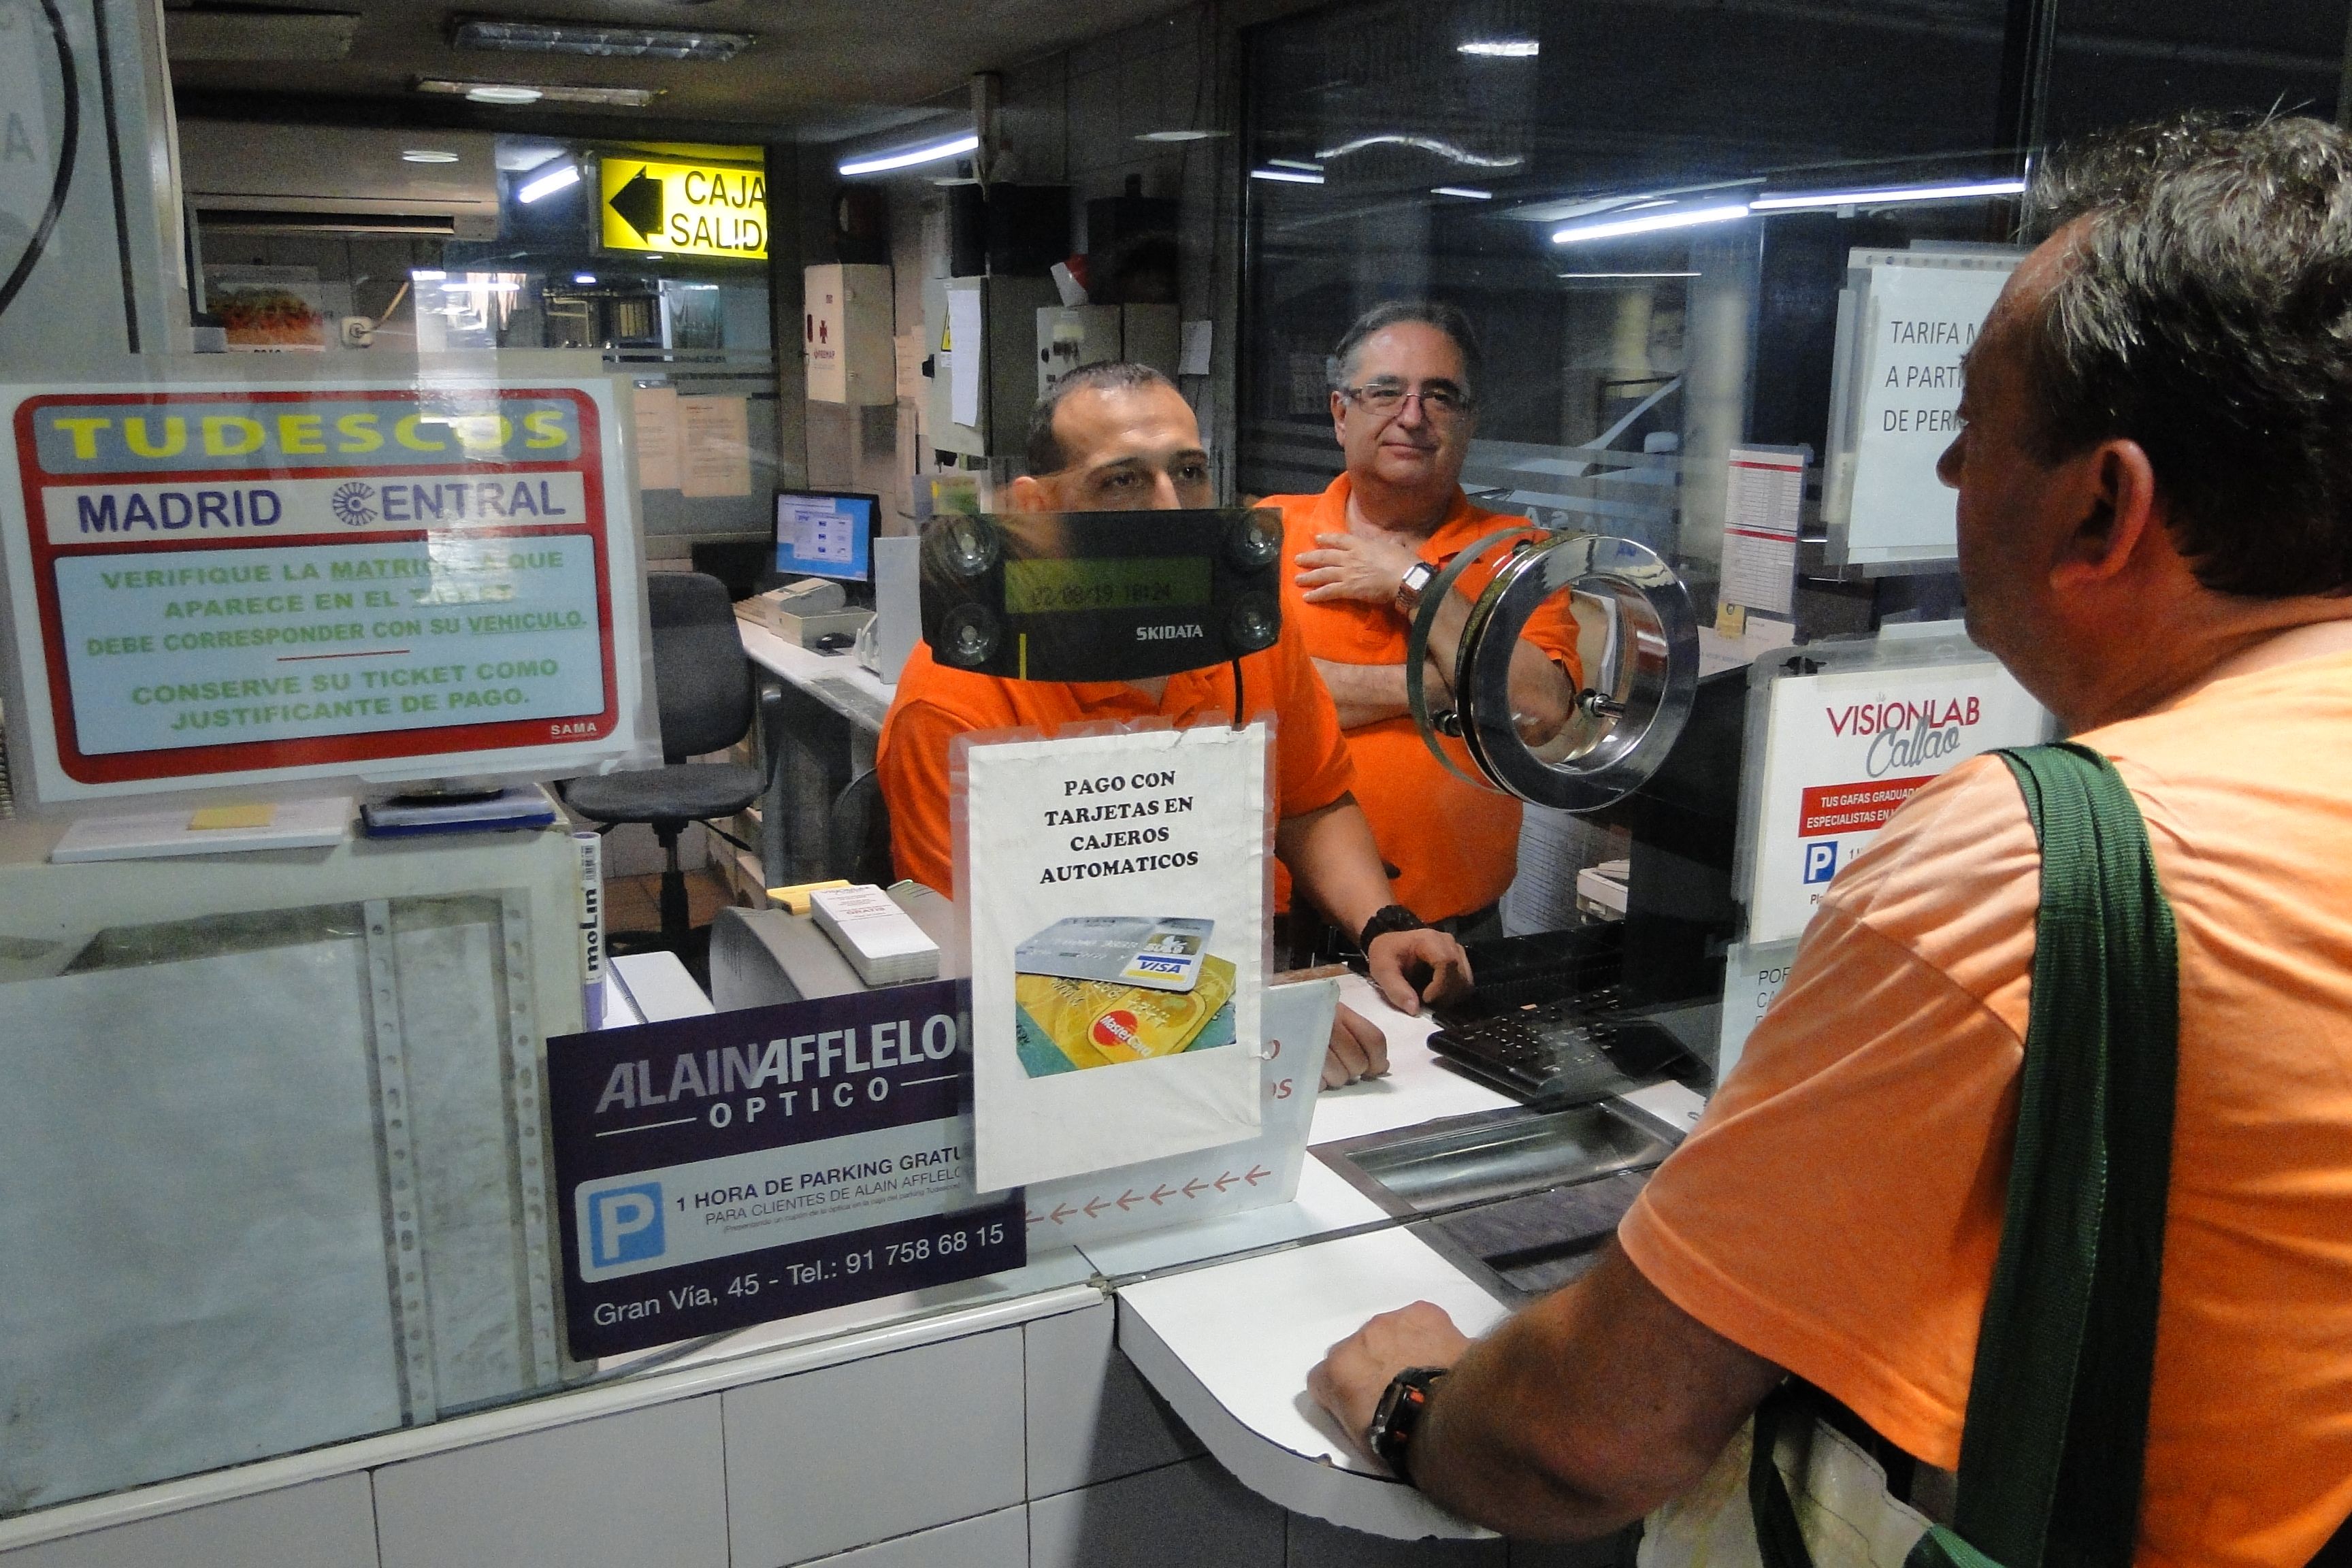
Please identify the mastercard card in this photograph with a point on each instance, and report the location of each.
(1162, 954)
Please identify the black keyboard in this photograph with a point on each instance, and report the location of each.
(1563, 1052)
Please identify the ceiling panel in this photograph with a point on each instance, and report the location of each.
(819, 67)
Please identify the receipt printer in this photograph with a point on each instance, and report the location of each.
(761, 957)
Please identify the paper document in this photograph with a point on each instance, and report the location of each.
(1760, 507)
(657, 410)
(718, 440)
(1199, 338)
(966, 355)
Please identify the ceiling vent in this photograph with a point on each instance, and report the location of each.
(258, 36)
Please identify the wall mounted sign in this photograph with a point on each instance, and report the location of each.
(1904, 321)
(1844, 751)
(1117, 886)
(676, 208)
(222, 585)
(718, 1172)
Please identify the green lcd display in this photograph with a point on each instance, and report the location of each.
(1044, 585)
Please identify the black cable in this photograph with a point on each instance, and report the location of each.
(69, 145)
(1237, 693)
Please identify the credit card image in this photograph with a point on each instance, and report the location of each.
(1159, 954)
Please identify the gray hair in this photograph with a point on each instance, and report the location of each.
(2205, 312)
(1045, 454)
(1339, 370)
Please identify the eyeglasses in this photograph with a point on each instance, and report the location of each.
(1386, 399)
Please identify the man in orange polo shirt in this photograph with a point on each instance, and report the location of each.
(1118, 437)
(1405, 380)
(2154, 536)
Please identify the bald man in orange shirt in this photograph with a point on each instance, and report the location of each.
(2155, 477)
(1121, 438)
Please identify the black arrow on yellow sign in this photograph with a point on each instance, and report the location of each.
(639, 203)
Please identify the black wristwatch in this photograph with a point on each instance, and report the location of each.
(1394, 916)
(1400, 1412)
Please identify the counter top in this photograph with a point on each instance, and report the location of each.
(836, 680)
(1228, 1343)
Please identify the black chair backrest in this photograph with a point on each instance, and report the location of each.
(702, 679)
(859, 841)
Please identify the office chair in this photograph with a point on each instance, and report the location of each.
(702, 685)
(857, 845)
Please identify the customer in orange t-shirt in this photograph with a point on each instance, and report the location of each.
(1117, 437)
(1403, 406)
(2155, 476)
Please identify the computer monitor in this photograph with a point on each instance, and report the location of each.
(1679, 911)
(826, 533)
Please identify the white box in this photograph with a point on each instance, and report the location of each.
(846, 335)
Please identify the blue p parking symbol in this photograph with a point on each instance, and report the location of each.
(1820, 860)
(625, 1224)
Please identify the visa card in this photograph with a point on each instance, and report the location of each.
(1159, 954)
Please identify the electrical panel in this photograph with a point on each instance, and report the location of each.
(981, 337)
(845, 326)
(1069, 336)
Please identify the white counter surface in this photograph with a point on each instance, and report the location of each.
(1229, 1347)
(836, 680)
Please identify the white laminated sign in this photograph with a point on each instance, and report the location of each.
(219, 583)
(1845, 750)
(1116, 888)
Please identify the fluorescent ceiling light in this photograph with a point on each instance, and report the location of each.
(1426, 144)
(1176, 135)
(1887, 196)
(584, 277)
(1473, 194)
(427, 155)
(1652, 223)
(548, 184)
(1625, 274)
(1501, 48)
(590, 38)
(1446, 150)
(906, 158)
(1287, 176)
(515, 94)
(426, 275)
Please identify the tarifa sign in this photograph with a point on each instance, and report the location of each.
(684, 208)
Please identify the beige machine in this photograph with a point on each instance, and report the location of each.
(299, 1094)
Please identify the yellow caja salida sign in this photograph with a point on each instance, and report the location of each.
(683, 209)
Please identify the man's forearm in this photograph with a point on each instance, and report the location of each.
(1363, 693)
(1557, 1428)
(1334, 862)
(1368, 693)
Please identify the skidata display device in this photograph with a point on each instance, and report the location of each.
(1101, 595)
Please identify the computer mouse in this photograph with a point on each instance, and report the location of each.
(833, 642)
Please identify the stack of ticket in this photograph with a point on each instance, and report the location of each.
(880, 939)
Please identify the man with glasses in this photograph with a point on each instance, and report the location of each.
(1403, 387)
(1117, 437)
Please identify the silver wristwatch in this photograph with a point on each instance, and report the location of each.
(1412, 585)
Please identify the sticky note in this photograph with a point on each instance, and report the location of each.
(218, 817)
(796, 897)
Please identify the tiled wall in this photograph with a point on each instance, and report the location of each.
(1034, 1446)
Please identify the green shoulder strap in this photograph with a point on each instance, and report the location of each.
(2052, 1457)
